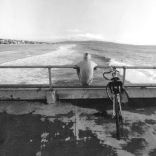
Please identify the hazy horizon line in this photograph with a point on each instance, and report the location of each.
(76, 40)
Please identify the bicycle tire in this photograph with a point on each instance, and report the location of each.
(117, 118)
(108, 94)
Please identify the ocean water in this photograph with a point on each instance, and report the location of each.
(70, 53)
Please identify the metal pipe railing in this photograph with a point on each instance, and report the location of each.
(124, 76)
(46, 86)
(72, 66)
(50, 67)
(130, 67)
(50, 79)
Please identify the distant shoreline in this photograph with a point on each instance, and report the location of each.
(12, 41)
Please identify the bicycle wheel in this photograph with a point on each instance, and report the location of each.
(118, 119)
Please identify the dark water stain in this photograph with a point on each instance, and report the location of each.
(103, 114)
(16, 133)
(154, 132)
(99, 117)
(146, 105)
(135, 146)
(153, 152)
(100, 105)
(103, 118)
(20, 135)
(138, 127)
(69, 115)
(150, 121)
(124, 134)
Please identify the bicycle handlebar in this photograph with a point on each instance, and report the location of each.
(105, 76)
(113, 71)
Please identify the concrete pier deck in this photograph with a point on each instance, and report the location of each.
(45, 120)
(35, 129)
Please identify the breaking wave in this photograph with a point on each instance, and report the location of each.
(61, 56)
(136, 75)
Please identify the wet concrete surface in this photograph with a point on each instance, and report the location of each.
(36, 129)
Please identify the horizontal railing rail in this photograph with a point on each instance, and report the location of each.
(46, 86)
(72, 66)
(49, 67)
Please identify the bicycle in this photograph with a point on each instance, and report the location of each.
(116, 87)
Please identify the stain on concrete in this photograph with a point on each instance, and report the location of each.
(150, 121)
(152, 152)
(35, 129)
(23, 135)
(138, 127)
(135, 146)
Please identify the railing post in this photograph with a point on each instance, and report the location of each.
(50, 80)
(124, 75)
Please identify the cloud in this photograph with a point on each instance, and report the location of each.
(79, 34)
(90, 36)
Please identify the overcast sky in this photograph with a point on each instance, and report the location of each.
(126, 21)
